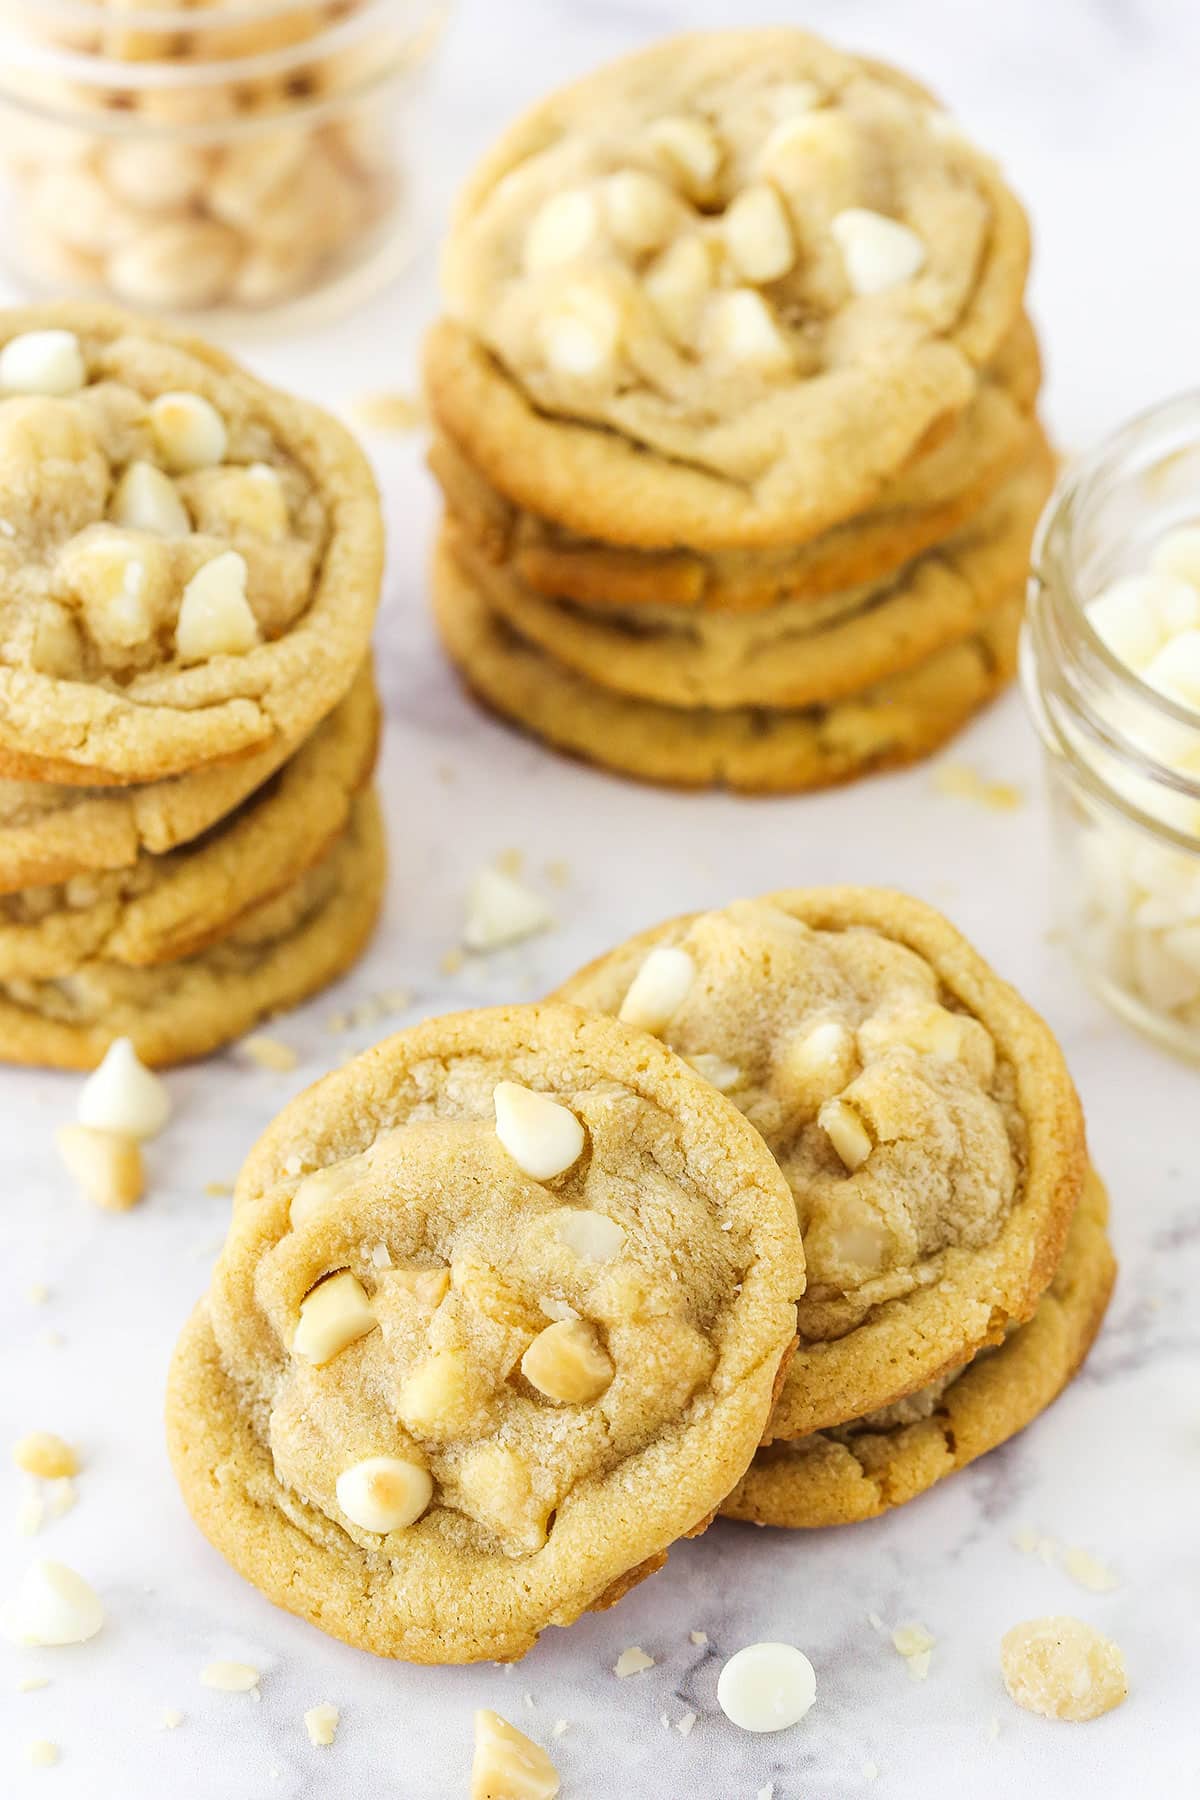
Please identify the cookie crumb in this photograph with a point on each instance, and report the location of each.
(632, 1662)
(170, 1719)
(1034, 1543)
(558, 872)
(958, 781)
(1062, 1668)
(321, 1723)
(766, 1793)
(915, 1643)
(877, 1624)
(392, 414)
(1089, 1571)
(41, 1754)
(218, 1190)
(61, 1496)
(381, 1256)
(45, 1454)
(29, 1684)
(560, 1727)
(269, 1053)
(684, 1725)
(993, 1730)
(230, 1677)
(31, 1514)
(451, 961)
(38, 1293)
(870, 1771)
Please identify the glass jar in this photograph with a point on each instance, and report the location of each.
(1122, 757)
(230, 159)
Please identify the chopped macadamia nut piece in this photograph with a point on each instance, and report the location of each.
(543, 1137)
(508, 1765)
(214, 614)
(632, 1661)
(42, 362)
(45, 1454)
(384, 1493)
(915, 1643)
(819, 1061)
(321, 1186)
(122, 1095)
(1062, 1668)
(568, 1363)
(658, 990)
(690, 151)
(699, 1638)
(725, 1076)
(441, 1397)
(501, 910)
(189, 431)
(879, 253)
(171, 1718)
(269, 1053)
(230, 1677)
(145, 499)
(758, 234)
(766, 1687)
(321, 1723)
(41, 1754)
(1089, 1571)
(592, 1236)
(53, 1605)
(428, 1287)
(333, 1316)
(844, 1128)
(106, 1164)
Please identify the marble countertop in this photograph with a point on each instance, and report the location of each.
(1092, 106)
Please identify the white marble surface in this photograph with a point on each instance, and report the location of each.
(1092, 106)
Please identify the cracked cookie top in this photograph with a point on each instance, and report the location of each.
(189, 561)
(746, 252)
(920, 1111)
(500, 1317)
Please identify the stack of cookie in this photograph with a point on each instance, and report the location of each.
(734, 415)
(958, 1265)
(190, 566)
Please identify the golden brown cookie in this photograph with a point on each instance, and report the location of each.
(499, 1319)
(921, 1111)
(862, 1469)
(721, 291)
(190, 561)
(925, 503)
(165, 907)
(800, 653)
(755, 750)
(51, 832)
(276, 956)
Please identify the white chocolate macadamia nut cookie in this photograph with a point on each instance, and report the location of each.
(920, 1111)
(749, 253)
(500, 1317)
(189, 560)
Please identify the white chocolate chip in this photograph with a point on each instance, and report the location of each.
(632, 1661)
(507, 1765)
(122, 1095)
(145, 499)
(564, 228)
(321, 1186)
(568, 1363)
(543, 1137)
(42, 362)
(677, 286)
(335, 1315)
(230, 1677)
(592, 1236)
(844, 1128)
(1175, 670)
(689, 149)
(1062, 1668)
(106, 1164)
(321, 1723)
(658, 990)
(214, 615)
(582, 334)
(384, 1493)
(758, 234)
(739, 327)
(766, 1687)
(724, 1076)
(53, 1605)
(189, 431)
(1178, 554)
(879, 253)
(642, 214)
(46, 1455)
(501, 910)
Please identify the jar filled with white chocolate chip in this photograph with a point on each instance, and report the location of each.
(1111, 671)
(211, 158)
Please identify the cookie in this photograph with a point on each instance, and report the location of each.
(165, 907)
(800, 653)
(276, 956)
(925, 503)
(865, 1468)
(755, 750)
(720, 292)
(190, 562)
(51, 832)
(921, 1111)
(499, 1318)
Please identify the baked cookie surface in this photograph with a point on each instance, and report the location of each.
(729, 286)
(920, 1110)
(868, 1466)
(190, 561)
(753, 749)
(164, 907)
(276, 955)
(798, 653)
(564, 1273)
